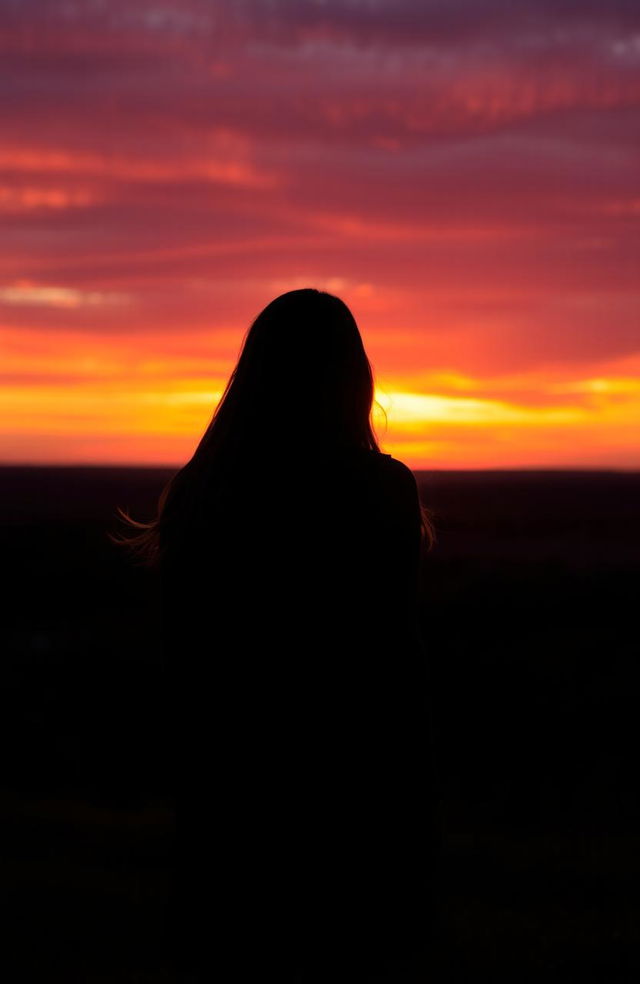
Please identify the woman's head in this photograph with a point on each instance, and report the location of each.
(302, 380)
(302, 385)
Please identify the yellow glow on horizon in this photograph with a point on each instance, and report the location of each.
(140, 420)
(70, 397)
(412, 410)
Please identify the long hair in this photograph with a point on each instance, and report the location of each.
(302, 380)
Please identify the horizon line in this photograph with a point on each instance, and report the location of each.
(145, 466)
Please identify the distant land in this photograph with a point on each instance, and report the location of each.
(529, 616)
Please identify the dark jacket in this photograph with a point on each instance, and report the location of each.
(303, 765)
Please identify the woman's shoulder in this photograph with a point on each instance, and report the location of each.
(393, 468)
(389, 482)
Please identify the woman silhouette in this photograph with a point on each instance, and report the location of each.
(289, 550)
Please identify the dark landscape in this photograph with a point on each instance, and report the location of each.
(529, 612)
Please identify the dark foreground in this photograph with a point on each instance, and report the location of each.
(530, 615)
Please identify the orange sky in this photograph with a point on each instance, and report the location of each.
(466, 179)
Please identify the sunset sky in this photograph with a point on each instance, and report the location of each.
(464, 174)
